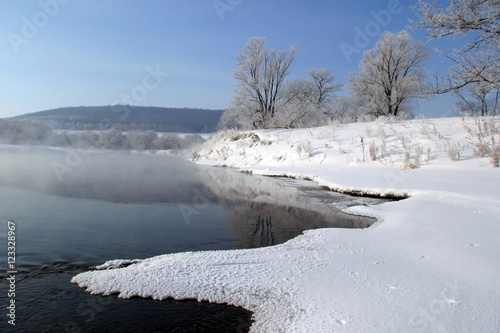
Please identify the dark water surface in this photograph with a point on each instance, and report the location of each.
(73, 212)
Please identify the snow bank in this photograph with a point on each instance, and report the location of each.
(429, 265)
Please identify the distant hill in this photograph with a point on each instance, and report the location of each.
(126, 118)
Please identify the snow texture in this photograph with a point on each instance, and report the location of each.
(430, 263)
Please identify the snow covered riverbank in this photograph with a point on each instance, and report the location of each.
(429, 265)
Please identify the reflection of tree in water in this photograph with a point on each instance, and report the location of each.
(263, 233)
(257, 224)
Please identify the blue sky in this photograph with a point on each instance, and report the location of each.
(56, 53)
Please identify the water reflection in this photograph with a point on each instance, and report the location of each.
(265, 211)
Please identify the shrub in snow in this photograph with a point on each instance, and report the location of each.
(382, 138)
(224, 135)
(412, 163)
(428, 155)
(453, 151)
(372, 150)
(363, 148)
(305, 150)
(495, 158)
(485, 138)
(404, 142)
(223, 152)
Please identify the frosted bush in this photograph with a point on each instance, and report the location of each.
(453, 151)
(305, 150)
(415, 162)
(372, 151)
(485, 139)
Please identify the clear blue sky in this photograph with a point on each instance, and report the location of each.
(56, 53)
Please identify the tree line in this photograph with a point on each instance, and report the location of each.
(24, 132)
(390, 81)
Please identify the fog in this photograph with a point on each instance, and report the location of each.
(108, 176)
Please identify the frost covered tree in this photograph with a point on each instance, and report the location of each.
(261, 74)
(390, 74)
(23, 132)
(307, 101)
(142, 140)
(478, 61)
(479, 99)
(323, 88)
(350, 109)
(113, 139)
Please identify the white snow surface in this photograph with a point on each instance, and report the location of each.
(430, 264)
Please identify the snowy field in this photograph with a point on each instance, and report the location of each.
(430, 264)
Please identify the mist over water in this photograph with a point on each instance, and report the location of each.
(108, 176)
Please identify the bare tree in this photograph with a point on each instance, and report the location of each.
(390, 74)
(141, 140)
(323, 86)
(478, 60)
(297, 110)
(350, 109)
(306, 102)
(13, 131)
(113, 139)
(261, 75)
(478, 99)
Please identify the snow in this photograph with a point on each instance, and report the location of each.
(430, 263)
(110, 264)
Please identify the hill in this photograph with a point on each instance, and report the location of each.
(126, 118)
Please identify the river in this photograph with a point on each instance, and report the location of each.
(75, 210)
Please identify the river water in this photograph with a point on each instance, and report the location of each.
(74, 210)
